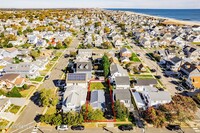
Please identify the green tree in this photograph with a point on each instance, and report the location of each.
(106, 30)
(14, 93)
(97, 24)
(48, 97)
(106, 65)
(120, 110)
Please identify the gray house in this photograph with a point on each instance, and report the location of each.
(97, 100)
(124, 96)
(122, 82)
(84, 67)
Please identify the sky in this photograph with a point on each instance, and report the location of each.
(150, 4)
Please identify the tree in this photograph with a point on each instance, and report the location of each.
(35, 53)
(14, 93)
(73, 53)
(48, 97)
(121, 111)
(97, 24)
(106, 65)
(72, 118)
(106, 30)
(106, 45)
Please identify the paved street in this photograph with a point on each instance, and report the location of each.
(114, 130)
(26, 122)
(153, 65)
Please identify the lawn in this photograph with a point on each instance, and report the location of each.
(196, 43)
(26, 92)
(134, 58)
(38, 79)
(3, 124)
(14, 109)
(97, 86)
(140, 76)
(51, 110)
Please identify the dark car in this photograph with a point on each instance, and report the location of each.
(125, 127)
(78, 127)
(173, 127)
(47, 77)
(153, 70)
(158, 76)
(66, 55)
(109, 117)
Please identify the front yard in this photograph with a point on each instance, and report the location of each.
(26, 92)
(3, 124)
(38, 79)
(51, 110)
(13, 109)
(134, 58)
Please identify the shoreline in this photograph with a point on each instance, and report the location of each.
(166, 20)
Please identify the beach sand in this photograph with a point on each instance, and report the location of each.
(167, 20)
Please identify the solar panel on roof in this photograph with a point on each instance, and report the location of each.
(76, 76)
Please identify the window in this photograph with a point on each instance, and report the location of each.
(126, 101)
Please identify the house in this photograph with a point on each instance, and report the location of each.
(86, 53)
(122, 82)
(124, 52)
(76, 79)
(116, 70)
(9, 52)
(118, 44)
(124, 96)
(11, 80)
(32, 39)
(174, 63)
(140, 104)
(156, 98)
(191, 74)
(84, 67)
(74, 97)
(41, 43)
(125, 59)
(191, 52)
(141, 83)
(4, 104)
(97, 100)
(24, 69)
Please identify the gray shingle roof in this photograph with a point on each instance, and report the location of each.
(97, 99)
(122, 80)
(160, 96)
(79, 77)
(117, 68)
(146, 82)
(83, 66)
(122, 94)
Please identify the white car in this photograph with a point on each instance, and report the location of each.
(62, 127)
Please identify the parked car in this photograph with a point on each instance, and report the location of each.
(109, 117)
(47, 77)
(77, 127)
(153, 70)
(62, 127)
(126, 127)
(66, 55)
(173, 127)
(158, 76)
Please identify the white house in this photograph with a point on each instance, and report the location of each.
(74, 97)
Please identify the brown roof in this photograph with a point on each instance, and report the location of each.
(11, 49)
(9, 77)
(19, 81)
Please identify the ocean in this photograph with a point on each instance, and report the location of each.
(179, 14)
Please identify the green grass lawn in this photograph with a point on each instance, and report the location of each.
(38, 79)
(196, 43)
(97, 86)
(26, 92)
(134, 58)
(51, 110)
(14, 109)
(140, 76)
(3, 124)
